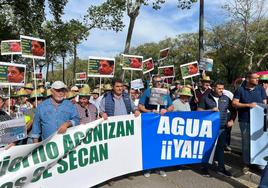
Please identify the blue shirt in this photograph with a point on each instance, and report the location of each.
(245, 95)
(144, 100)
(48, 118)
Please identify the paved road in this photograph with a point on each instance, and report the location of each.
(189, 176)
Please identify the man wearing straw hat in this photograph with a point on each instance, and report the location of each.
(28, 88)
(201, 92)
(54, 114)
(217, 102)
(36, 94)
(87, 111)
(71, 96)
(182, 103)
(95, 98)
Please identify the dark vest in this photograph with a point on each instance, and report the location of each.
(224, 104)
(109, 103)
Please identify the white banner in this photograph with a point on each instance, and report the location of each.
(92, 153)
(99, 155)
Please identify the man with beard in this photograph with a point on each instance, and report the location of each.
(245, 97)
(218, 102)
(54, 114)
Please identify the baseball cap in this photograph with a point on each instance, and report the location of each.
(58, 85)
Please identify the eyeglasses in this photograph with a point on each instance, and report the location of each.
(86, 111)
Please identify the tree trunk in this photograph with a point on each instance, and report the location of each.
(52, 69)
(47, 71)
(129, 34)
(74, 67)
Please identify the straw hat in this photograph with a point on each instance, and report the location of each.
(96, 91)
(98, 86)
(107, 87)
(264, 77)
(84, 91)
(29, 86)
(177, 82)
(40, 84)
(205, 79)
(70, 95)
(126, 84)
(3, 96)
(21, 92)
(75, 89)
(36, 93)
(186, 91)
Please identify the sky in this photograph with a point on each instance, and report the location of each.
(150, 26)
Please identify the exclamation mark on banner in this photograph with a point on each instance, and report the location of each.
(201, 149)
(196, 144)
(163, 152)
(169, 150)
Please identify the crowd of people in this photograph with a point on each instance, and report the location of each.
(57, 108)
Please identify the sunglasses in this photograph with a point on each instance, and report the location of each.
(158, 81)
(60, 90)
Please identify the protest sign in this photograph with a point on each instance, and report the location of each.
(33, 47)
(259, 134)
(12, 74)
(136, 84)
(189, 70)
(9, 47)
(159, 96)
(148, 65)
(101, 67)
(132, 62)
(12, 130)
(206, 64)
(163, 54)
(118, 146)
(166, 71)
(81, 76)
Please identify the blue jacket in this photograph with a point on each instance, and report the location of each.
(224, 104)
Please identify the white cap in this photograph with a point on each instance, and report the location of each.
(58, 85)
(74, 88)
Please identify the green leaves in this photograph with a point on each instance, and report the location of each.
(186, 4)
(108, 15)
